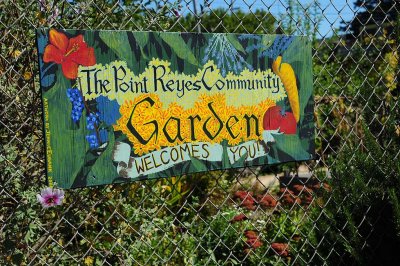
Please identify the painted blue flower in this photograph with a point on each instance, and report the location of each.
(108, 110)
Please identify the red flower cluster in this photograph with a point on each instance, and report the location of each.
(266, 201)
(282, 249)
(253, 241)
(317, 186)
(248, 201)
(288, 198)
(301, 194)
(300, 189)
(238, 218)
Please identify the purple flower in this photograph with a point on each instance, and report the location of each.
(176, 13)
(49, 197)
(43, 5)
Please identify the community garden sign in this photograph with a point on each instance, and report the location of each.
(121, 106)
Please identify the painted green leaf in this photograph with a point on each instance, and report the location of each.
(179, 47)
(142, 38)
(117, 40)
(240, 161)
(198, 165)
(267, 41)
(234, 41)
(225, 158)
(292, 145)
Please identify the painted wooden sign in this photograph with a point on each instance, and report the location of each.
(121, 106)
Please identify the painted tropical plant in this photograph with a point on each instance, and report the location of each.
(225, 50)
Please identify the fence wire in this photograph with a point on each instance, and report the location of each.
(252, 216)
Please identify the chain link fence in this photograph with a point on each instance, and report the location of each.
(251, 216)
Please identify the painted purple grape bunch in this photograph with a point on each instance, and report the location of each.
(106, 113)
(92, 120)
(76, 100)
(92, 123)
(92, 140)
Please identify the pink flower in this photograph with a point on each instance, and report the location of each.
(49, 197)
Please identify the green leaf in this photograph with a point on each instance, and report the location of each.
(177, 197)
(234, 41)
(179, 47)
(119, 43)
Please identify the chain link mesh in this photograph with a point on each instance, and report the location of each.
(179, 220)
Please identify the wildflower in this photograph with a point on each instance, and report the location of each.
(176, 12)
(307, 200)
(254, 243)
(250, 234)
(49, 197)
(70, 53)
(290, 200)
(327, 187)
(242, 194)
(54, 15)
(253, 240)
(239, 217)
(300, 189)
(247, 200)
(43, 5)
(267, 200)
(248, 203)
(16, 53)
(282, 249)
(89, 260)
(288, 197)
(27, 75)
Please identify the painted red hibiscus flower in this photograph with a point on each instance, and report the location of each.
(70, 53)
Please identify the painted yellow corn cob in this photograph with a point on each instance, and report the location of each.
(286, 73)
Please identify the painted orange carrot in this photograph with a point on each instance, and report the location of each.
(286, 73)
